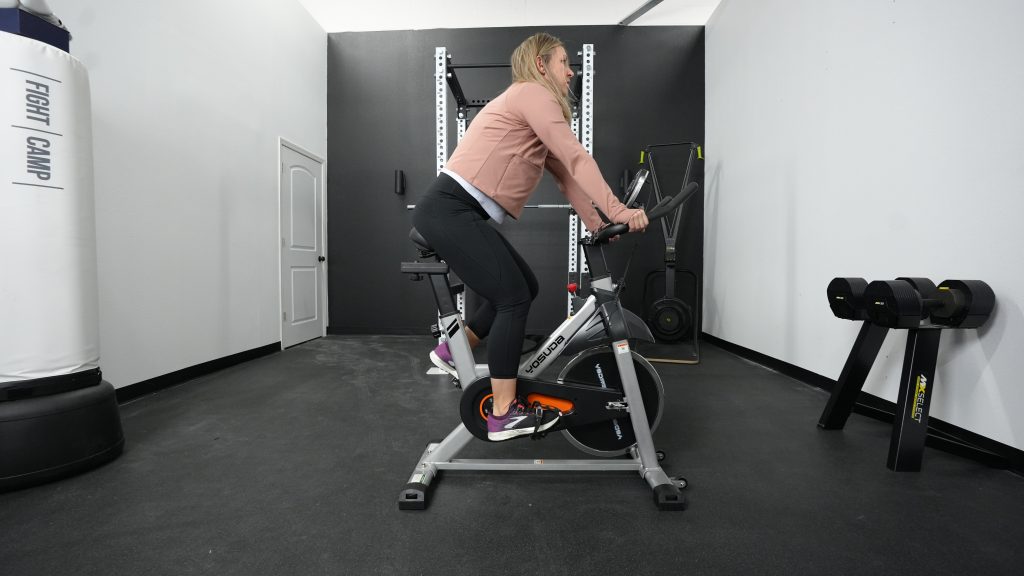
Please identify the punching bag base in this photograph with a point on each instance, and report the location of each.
(51, 437)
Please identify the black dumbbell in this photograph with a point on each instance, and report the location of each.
(846, 298)
(897, 303)
(905, 302)
(967, 303)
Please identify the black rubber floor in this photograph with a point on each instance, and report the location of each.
(292, 464)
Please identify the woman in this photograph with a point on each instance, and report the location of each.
(490, 175)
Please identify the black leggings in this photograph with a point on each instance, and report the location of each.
(455, 225)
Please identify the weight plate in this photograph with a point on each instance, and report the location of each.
(846, 298)
(973, 302)
(670, 319)
(925, 287)
(893, 303)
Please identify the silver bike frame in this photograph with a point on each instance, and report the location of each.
(442, 455)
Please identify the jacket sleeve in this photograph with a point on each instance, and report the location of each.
(576, 172)
(581, 203)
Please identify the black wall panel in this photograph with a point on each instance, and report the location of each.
(649, 88)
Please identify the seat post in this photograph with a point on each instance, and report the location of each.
(442, 294)
(449, 319)
(450, 323)
(437, 272)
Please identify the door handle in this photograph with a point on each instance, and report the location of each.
(322, 259)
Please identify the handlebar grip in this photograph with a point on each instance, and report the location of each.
(660, 206)
(668, 205)
(663, 208)
(609, 232)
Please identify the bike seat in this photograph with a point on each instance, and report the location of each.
(420, 241)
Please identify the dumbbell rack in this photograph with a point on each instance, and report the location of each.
(910, 427)
(920, 357)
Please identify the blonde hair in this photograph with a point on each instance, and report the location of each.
(524, 68)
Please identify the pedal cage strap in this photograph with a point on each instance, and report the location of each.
(538, 419)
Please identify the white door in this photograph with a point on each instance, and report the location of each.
(302, 247)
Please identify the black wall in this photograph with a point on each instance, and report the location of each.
(649, 88)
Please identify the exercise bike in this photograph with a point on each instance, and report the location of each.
(609, 396)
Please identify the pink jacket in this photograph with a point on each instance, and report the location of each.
(516, 136)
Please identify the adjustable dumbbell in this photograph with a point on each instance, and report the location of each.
(905, 302)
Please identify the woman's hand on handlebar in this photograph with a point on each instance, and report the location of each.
(636, 219)
(629, 221)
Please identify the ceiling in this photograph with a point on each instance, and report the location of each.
(359, 16)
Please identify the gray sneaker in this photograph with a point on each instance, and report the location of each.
(520, 420)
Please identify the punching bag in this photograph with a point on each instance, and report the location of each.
(57, 415)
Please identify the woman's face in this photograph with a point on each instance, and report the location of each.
(557, 69)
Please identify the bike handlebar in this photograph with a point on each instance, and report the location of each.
(662, 209)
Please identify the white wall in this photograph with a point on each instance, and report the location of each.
(189, 99)
(877, 139)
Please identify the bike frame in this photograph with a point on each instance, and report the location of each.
(603, 300)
